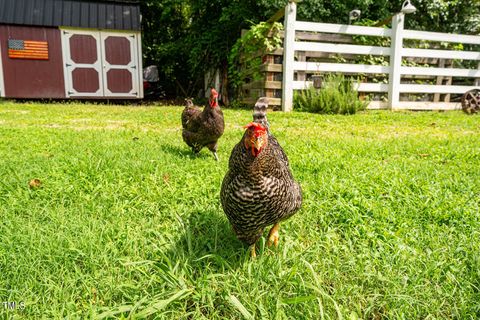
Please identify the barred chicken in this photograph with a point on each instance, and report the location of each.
(258, 189)
(203, 128)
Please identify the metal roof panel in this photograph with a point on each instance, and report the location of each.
(103, 14)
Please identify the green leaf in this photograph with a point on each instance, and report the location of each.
(296, 300)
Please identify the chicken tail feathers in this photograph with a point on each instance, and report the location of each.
(260, 112)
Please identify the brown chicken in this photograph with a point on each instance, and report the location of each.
(203, 128)
(258, 189)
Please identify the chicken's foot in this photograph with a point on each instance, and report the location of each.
(273, 235)
(253, 254)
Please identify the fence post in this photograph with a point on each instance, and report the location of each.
(476, 83)
(288, 56)
(395, 60)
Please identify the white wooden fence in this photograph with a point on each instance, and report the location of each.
(395, 70)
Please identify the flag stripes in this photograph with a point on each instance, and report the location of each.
(28, 49)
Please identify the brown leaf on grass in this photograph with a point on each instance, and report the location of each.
(166, 178)
(34, 183)
(423, 155)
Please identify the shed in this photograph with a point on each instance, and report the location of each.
(70, 49)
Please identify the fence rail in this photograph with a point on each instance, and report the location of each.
(395, 71)
(312, 48)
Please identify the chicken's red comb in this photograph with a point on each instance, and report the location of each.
(213, 93)
(257, 127)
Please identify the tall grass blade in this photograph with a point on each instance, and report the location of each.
(161, 304)
(240, 307)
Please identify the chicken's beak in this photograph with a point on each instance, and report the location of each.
(257, 145)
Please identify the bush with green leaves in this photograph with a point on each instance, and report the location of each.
(336, 96)
(245, 57)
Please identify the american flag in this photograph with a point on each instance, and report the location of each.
(28, 49)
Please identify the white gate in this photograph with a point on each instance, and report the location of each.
(395, 70)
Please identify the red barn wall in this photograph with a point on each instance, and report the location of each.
(25, 78)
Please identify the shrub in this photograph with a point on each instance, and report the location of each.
(337, 95)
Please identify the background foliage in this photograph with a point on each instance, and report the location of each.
(262, 37)
(336, 97)
(187, 38)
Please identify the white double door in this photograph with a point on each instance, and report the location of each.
(102, 64)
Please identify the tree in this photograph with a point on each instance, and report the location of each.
(457, 16)
(188, 38)
(165, 25)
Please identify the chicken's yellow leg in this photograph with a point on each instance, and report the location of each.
(273, 235)
(253, 254)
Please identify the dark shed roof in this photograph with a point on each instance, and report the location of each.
(104, 14)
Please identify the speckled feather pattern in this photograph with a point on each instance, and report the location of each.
(258, 191)
(202, 128)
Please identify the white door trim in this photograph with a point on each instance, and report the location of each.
(70, 65)
(140, 65)
(2, 84)
(132, 67)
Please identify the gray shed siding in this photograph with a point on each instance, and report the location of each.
(115, 14)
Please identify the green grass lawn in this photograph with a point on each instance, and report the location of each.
(128, 223)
